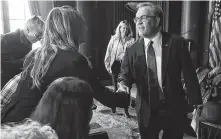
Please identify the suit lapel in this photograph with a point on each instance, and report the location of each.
(141, 60)
(166, 45)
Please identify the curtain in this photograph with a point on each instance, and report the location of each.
(34, 7)
(40, 8)
(5, 16)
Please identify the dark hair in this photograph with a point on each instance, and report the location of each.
(66, 107)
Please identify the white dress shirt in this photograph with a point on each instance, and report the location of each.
(157, 46)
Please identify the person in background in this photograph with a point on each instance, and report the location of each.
(15, 45)
(115, 52)
(116, 48)
(67, 107)
(27, 129)
(58, 57)
(155, 62)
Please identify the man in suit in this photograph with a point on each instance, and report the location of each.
(155, 62)
(15, 45)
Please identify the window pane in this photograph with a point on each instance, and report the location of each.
(15, 24)
(16, 9)
(1, 27)
(0, 9)
(27, 10)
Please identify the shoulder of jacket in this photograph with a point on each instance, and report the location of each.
(11, 37)
(114, 38)
(132, 44)
(177, 37)
(72, 55)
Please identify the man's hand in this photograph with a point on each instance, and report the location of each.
(123, 93)
(123, 88)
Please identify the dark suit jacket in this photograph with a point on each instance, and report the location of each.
(175, 59)
(14, 47)
(66, 63)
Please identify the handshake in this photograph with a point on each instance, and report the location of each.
(123, 93)
(123, 88)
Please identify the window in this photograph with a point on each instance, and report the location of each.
(1, 20)
(18, 13)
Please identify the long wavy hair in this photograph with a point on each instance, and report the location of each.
(129, 33)
(67, 107)
(64, 28)
(27, 129)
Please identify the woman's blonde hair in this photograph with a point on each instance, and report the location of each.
(129, 33)
(27, 129)
(63, 30)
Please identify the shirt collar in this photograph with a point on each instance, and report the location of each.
(157, 40)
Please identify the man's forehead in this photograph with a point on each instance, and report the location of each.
(147, 10)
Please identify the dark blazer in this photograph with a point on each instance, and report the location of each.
(66, 63)
(175, 59)
(14, 47)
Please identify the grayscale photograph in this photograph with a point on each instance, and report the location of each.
(98, 69)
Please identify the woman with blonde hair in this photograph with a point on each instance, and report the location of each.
(58, 57)
(115, 50)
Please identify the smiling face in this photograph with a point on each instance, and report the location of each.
(147, 23)
(123, 30)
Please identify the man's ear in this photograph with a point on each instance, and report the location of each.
(157, 21)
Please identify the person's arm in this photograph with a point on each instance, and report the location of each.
(190, 77)
(100, 92)
(125, 78)
(109, 98)
(107, 58)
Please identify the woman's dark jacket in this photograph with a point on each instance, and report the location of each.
(66, 63)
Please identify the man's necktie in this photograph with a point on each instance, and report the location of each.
(152, 77)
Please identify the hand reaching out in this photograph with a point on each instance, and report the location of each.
(123, 88)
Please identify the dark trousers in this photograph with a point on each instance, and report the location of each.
(115, 72)
(172, 126)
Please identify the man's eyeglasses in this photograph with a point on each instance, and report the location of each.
(143, 18)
